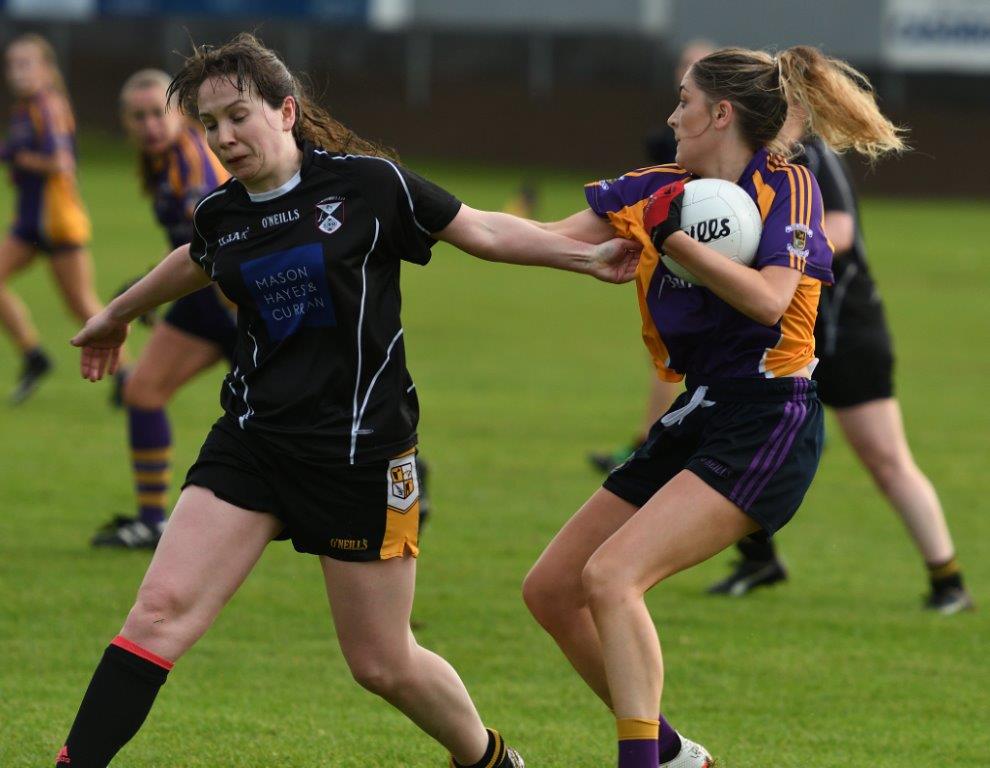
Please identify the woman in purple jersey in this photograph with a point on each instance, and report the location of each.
(307, 238)
(197, 332)
(738, 450)
(49, 216)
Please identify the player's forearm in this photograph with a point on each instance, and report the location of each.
(744, 288)
(511, 240)
(175, 276)
(36, 162)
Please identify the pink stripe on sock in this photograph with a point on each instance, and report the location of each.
(122, 642)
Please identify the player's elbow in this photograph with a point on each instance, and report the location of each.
(768, 311)
(473, 232)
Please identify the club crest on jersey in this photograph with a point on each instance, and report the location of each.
(799, 239)
(330, 214)
(403, 483)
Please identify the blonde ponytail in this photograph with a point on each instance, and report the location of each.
(839, 101)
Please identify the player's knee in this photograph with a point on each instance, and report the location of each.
(141, 391)
(155, 612)
(603, 583)
(378, 675)
(888, 468)
(547, 597)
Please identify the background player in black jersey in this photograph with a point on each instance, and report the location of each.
(855, 378)
(319, 431)
(177, 168)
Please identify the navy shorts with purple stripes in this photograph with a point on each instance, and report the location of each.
(203, 315)
(755, 441)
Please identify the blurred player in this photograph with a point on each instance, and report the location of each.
(177, 170)
(738, 450)
(49, 217)
(318, 435)
(855, 378)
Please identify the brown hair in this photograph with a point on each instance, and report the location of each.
(839, 101)
(48, 56)
(246, 63)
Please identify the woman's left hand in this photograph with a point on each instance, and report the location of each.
(615, 261)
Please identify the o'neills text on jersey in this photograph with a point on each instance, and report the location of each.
(282, 217)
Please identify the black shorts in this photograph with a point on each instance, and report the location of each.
(203, 315)
(347, 512)
(755, 441)
(856, 373)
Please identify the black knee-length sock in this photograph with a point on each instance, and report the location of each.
(116, 703)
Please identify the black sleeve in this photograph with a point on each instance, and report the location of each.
(422, 208)
(833, 178)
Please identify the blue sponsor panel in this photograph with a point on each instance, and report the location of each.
(348, 11)
(290, 290)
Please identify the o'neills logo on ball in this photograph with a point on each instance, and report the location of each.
(330, 214)
(710, 229)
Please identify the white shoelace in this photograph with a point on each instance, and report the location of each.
(697, 401)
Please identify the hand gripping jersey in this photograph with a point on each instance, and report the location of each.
(177, 179)
(687, 328)
(313, 267)
(50, 213)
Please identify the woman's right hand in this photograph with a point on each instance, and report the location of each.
(100, 339)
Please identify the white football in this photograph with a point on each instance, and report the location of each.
(724, 217)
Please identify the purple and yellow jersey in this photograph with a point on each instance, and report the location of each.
(178, 179)
(687, 328)
(50, 213)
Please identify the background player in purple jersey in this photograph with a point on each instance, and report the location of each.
(737, 451)
(855, 378)
(318, 435)
(40, 150)
(177, 169)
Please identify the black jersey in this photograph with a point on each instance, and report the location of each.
(850, 312)
(661, 147)
(313, 267)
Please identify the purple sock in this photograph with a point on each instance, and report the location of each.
(669, 743)
(151, 458)
(638, 753)
(638, 742)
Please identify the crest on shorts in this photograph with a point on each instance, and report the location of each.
(330, 214)
(799, 239)
(403, 483)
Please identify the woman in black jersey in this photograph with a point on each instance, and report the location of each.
(855, 378)
(318, 436)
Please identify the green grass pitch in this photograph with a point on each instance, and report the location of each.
(520, 372)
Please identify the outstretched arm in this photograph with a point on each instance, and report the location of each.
(104, 333)
(509, 239)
